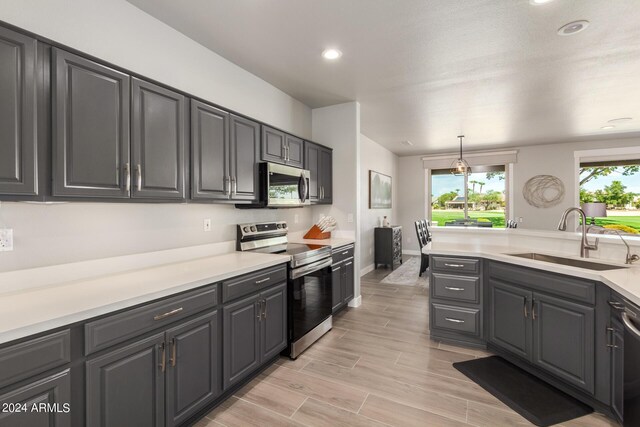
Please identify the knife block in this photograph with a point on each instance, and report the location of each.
(315, 233)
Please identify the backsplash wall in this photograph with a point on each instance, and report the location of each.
(56, 233)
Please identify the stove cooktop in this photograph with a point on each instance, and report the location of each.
(293, 249)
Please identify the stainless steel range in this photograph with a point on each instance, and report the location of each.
(309, 286)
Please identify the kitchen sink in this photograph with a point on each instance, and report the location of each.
(568, 261)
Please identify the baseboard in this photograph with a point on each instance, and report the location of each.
(369, 268)
(410, 252)
(356, 302)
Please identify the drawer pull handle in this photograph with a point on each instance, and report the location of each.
(345, 252)
(449, 319)
(263, 280)
(449, 288)
(454, 265)
(167, 314)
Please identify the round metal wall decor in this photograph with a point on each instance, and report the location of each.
(543, 191)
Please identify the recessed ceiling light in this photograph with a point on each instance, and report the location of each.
(539, 2)
(620, 120)
(331, 54)
(573, 28)
(607, 127)
(407, 142)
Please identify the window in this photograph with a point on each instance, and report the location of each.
(617, 184)
(485, 199)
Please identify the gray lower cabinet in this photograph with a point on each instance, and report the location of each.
(336, 287)
(193, 366)
(554, 334)
(125, 387)
(254, 331)
(387, 246)
(158, 142)
(18, 118)
(342, 278)
(617, 368)
(30, 405)
(90, 128)
(224, 155)
(319, 161)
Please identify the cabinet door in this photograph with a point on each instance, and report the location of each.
(326, 175)
(273, 145)
(564, 340)
(312, 164)
(53, 390)
(91, 128)
(209, 152)
(336, 287)
(617, 369)
(158, 142)
(245, 155)
(510, 318)
(348, 283)
(273, 328)
(125, 387)
(18, 119)
(193, 363)
(295, 151)
(241, 335)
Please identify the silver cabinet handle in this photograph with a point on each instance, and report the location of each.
(321, 192)
(234, 181)
(263, 280)
(449, 319)
(611, 338)
(163, 357)
(167, 314)
(172, 358)
(454, 265)
(526, 313)
(259, 316)
(127, 177)
(616, 305)
(629, 324)
(139, 176)
(227, 188)
(264, 309)
(533, 309)
(450, 288)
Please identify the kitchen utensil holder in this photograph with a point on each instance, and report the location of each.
(317, 234)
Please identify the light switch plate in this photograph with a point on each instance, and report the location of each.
(207, 224)
(6, 239)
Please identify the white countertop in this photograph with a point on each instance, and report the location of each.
(30, 311)
(625, 281)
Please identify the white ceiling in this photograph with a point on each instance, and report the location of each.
(428, 70)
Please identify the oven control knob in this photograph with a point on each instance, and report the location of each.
(245, 229)
(279, 226)
(253, 228)
(284, 225)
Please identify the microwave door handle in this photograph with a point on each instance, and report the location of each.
(302, 188)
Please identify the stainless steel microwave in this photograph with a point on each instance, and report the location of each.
(282, 186)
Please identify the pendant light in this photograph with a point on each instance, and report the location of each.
(460, 166)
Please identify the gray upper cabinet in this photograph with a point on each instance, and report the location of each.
(158, 141)
(295, 151)
(125, 387)
(510, 313)
(319, 161)
(90, 128)
(52, 390)
(564, 340)
(244, 157)
(193, 366)
(18, 118)
(241, 335)
(280, 147)
(210, 175)
(274, 325)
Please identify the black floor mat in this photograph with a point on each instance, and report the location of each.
(534, 399)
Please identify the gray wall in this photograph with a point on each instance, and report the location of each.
(375, 157)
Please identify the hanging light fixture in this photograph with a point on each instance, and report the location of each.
(460, 166)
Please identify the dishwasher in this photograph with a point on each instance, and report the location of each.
(626, 346)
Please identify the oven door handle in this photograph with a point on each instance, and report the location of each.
(629, 324)
(301, 271)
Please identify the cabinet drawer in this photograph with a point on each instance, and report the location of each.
(120, 327)
(32, 357)
(555, 284)
(253, 282)
(457, 319)
(458, 288)
(460, 265)
(342, 253)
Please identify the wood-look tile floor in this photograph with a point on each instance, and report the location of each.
(376, 367)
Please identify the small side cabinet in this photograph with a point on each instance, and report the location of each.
(388, 246)
(342, 277)
(319, 161)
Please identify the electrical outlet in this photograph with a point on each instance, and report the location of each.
(6, 239)
(207, 224)
(520, 219)
(350, 217)
(296, 218)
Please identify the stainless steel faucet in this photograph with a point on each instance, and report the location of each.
(631, 258)
(585, 246)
